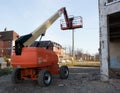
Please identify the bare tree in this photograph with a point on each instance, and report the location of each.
(97, 57)
(79, 53)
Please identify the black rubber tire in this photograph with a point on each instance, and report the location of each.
(64, 72)
(15, 77)
(44, 78)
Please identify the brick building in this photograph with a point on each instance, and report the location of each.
(57, 48)
(7, 39)
(109, 21)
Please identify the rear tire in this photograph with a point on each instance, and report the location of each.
(64, 72)
(44, 78)
(16, 76)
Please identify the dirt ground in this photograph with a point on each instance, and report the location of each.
(81, 80)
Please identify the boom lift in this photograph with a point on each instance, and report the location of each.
(36, 63)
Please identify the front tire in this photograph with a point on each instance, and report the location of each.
(44, 78)
(64, 72)
(16, 76)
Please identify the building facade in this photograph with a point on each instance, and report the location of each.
(109, 21)
(7, 39)
(57, 48)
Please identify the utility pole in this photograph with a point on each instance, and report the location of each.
(73, 52)
(73, 43)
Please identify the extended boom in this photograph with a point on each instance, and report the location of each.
(27, 40)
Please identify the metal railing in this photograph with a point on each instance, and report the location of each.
(76, 23)
(108, 2)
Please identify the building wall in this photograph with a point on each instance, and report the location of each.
(5, 49)
(6, 42)
(105, 9)
(1, 48)
(58, 50)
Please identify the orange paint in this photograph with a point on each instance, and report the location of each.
(34, 59)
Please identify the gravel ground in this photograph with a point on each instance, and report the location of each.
(81, 80)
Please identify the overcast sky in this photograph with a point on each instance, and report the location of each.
(23, 16)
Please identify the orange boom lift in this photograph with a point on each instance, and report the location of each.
(36, 63)
(32, 62)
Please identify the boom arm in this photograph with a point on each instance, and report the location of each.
(42, 29)
(27, 40)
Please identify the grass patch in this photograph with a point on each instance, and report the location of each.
(82, 64)
(5, 71)
(87, 64)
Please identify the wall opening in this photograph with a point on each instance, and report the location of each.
(114, 44)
